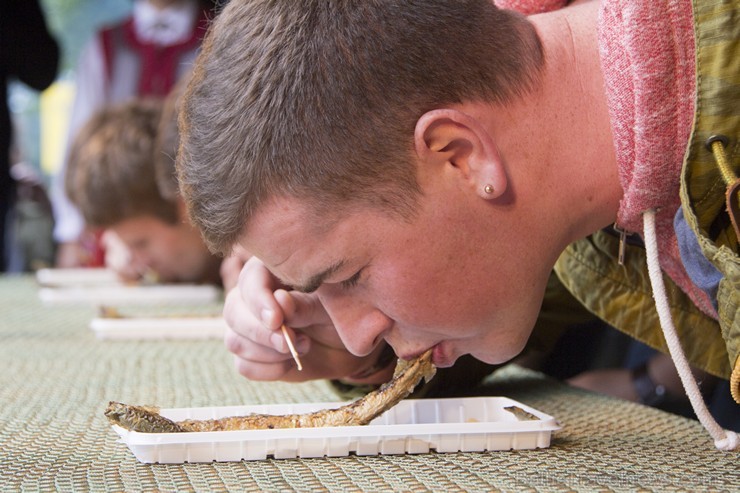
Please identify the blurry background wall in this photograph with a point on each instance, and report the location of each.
(41, 120)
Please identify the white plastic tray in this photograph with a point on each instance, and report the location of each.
(414, 426)
(159, 327)
(77, 277)
(122, 294)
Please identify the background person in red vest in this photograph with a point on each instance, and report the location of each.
(143, 55)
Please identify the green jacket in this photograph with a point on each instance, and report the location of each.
(622, 295)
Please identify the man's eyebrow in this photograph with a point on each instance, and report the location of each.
(316, 280)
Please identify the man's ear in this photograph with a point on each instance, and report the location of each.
(451, 137)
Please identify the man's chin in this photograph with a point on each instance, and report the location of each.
(498, 358)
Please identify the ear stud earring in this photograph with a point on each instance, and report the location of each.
(488, 189)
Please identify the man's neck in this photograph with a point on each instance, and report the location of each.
(568, 166)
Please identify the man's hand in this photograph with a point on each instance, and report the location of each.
(119, 259)
(256, 309)
(231, 267)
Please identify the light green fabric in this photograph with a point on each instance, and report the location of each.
(702, 187)
(622, 295)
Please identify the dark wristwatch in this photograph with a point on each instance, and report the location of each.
(648, 392)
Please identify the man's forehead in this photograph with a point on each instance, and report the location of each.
(285, 211)
(308, 272)
(294, 243)
(272, 232)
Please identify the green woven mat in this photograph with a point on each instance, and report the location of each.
(56, 379)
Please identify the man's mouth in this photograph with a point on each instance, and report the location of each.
(442, 355)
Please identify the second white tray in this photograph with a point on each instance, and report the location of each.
(159, 327)
(123, 295)
(83, 276)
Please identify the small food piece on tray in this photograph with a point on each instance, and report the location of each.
(407, 375)
(521, 414)
(105, 311)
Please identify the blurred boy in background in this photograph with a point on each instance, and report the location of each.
(111, 179)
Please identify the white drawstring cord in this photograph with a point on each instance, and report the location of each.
(723, 439)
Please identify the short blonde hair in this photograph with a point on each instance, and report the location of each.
(110, 172)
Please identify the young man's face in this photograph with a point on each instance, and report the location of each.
(174, 251)
(447, 280)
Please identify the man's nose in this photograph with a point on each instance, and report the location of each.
(360, 325)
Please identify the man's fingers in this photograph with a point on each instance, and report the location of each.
(256, 286)
(242, 322)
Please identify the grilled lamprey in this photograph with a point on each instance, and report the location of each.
(360, 412)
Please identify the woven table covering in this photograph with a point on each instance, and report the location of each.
(56, 379)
